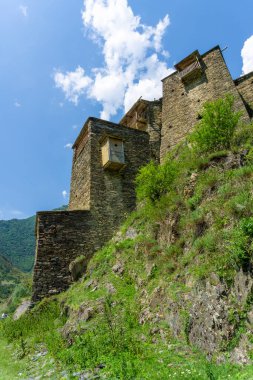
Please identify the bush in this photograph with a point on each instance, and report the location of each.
(154, 180)
(247, 226)
(249, 157)
(243, 137)
(216, 129)
(20, 292)
(239, 243)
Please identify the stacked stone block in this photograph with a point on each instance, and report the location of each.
(182, 102)
(110, 196)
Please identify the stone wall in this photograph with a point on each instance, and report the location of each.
(80, 178)
(154, 126)
(183, 102)
(61, 237)
(113, 192)
(64, 235)
(245, 87)
(146, 115)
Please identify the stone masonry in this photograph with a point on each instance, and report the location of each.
(99, 201)
(183, 101)
(147, 115)
(244, 85)
(107, 157)
(61, 236)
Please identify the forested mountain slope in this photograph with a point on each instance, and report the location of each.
(17, 242)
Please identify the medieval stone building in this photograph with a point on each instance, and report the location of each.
(107, 157)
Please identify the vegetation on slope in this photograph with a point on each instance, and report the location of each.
(8, 277)
(14, 286)
(17, 242)
(131, 316)
(9, 368)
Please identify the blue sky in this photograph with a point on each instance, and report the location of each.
(62, 61)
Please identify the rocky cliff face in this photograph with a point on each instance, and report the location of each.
(215, 313)
(183, 259)
(172, 289)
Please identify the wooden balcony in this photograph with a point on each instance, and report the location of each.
(191, 71)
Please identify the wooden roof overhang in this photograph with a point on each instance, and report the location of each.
(139, 107)
(187, 61)
(189, 66)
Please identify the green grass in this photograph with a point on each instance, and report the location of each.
(189, 227)
(10, 368)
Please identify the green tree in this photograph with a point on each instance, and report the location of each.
(155, 180)
(215, 130)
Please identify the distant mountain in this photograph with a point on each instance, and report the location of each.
(17, 250)
(17, 241)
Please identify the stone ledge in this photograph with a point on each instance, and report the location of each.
(243, 78)
(64, 212)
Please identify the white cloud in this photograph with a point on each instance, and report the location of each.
(16, 213)
(17, 104)
(9, 213)
(68, 146)
(247, 56)
(24, 10)
(74, 84)
(133, 58)
(65, 194)
(74, 126)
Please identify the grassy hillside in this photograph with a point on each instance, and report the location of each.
(8, 277)
(14, 285)
(8, 371)
(171, 296)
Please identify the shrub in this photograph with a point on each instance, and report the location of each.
(154, 180)
(239, 243)
(249, 157)
(247, 226)
(243, 136)
(215, 130)
(21, 291)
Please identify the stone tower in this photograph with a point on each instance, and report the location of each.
(197, 79)
(107, 157)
